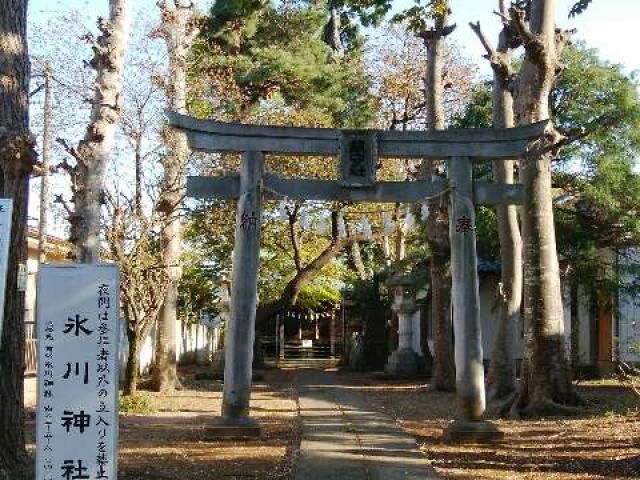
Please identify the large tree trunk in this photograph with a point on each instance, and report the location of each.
(438, 221)
(16, 161)
(92, 154)
(332, 30)
(501, 375)
(178, 30)
(546, 383)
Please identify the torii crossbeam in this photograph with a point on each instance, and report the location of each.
(358, 152)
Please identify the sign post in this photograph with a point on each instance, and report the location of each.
(6, 209)
(77, 418)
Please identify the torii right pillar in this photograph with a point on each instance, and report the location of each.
(469, 425)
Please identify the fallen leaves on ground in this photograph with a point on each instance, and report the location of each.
(602, 442)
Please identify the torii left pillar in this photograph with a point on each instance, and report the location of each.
(240, 335)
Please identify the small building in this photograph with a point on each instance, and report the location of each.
(57, 251)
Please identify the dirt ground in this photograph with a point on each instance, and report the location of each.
(171, 443)
(602, 442)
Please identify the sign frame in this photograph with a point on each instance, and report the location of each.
(45, 318)
(6, 219)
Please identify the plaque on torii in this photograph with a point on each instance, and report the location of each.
(359, 152)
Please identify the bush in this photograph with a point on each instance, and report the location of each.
(139, 403)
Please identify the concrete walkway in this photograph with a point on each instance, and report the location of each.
(344, 439)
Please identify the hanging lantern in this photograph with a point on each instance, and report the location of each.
(366, 228)
(283, 211)
(409, 221)
(387, 224)
(342, 228)
(424, 211)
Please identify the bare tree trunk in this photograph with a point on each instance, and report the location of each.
(44, 181)
(356, 255)
(92, 154)
(132, 371)
(438, 221)
(178, 30)
(138, 160)
(501, 376)
(16, 163)
(546, 383)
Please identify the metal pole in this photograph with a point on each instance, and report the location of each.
(44, 181)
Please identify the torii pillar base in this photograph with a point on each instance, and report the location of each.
(233, 429)
(470, 431)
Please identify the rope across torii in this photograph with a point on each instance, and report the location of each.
(358, 152)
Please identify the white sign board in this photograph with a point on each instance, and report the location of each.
(6, 209)
(77, 420)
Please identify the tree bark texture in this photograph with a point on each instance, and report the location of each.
(332, 30)
(356, 256)
(92, 153)
(438, 221)
(16, 162)
(501, 375)
(546, 383)
(132, 372)
(178, 30)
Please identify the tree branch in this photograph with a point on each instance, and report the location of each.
(73, 151)
(477, 29)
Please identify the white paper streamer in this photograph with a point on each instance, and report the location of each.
(387, 224)
(366, 228)
(409, 221)
(342, 228)
(322, 224)
(283, 212)
(305, 223)
(424, 211)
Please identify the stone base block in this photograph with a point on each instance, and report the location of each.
(233, 428)
(468, 431)
(403, 363)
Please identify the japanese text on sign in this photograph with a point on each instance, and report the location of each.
(77, 364)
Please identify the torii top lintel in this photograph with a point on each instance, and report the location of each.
(477, 143)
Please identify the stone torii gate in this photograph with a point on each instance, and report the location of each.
(358, 152)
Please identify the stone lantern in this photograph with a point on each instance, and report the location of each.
(405, 361)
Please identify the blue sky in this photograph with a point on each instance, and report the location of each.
(609, 25)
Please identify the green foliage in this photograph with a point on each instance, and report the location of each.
(421, 14)
(369, 12)
(478, 113)
(604, 214)
(281, 62)
(231, 22)
(140, 403)
(596, 104)
(197, 292)
(579, 7)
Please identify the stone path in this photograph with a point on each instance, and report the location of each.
(344, 439)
